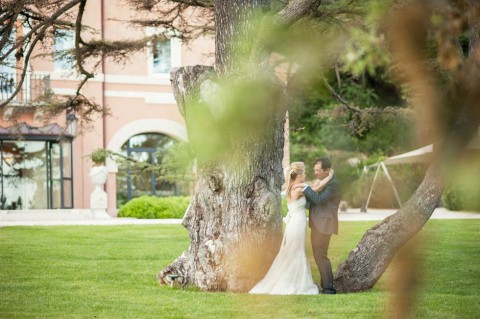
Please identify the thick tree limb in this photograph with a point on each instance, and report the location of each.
(372, 255)
(148, 5)
(295, 10)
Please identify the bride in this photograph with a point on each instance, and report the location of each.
(290, 272)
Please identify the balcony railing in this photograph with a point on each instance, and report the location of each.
(33, 87)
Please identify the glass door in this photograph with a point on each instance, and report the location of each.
(60, 175)
(135, 180)
(24, 175)
(141, 182)
(35, 175)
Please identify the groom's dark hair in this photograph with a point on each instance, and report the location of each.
(325, 161)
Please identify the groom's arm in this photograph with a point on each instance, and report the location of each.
(329, 192)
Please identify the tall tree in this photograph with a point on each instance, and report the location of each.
(234, 219)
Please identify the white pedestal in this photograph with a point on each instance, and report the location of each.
(98, 198)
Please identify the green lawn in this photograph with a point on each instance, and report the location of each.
(109, 272)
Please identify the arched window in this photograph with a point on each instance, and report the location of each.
(134, 181)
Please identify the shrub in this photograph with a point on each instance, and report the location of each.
(463, 191)
(98, 156)
(152, 207)
(451, 199)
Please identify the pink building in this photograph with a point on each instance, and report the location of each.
(49, 168)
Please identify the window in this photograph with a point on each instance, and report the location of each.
(162, 56)
(165, 52)
(133, 182)
(63, 59)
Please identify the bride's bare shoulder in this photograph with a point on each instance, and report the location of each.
(297, 192)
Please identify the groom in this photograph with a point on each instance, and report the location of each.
(323, 221)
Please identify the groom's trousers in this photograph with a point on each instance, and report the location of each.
(320, 243)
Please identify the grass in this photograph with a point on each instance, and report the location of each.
(109, 272)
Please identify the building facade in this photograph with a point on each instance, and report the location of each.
(45, 163)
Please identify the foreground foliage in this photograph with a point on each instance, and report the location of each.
(109, 272)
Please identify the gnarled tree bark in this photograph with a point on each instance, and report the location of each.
(233, 220)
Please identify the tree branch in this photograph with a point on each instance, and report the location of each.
(295, 10)
(194, 3)
(39, 18)
(352, 108)
(78, 40)
(24, 71)
(179, 17)
(48, 21)
(148, 5)
(6, 31)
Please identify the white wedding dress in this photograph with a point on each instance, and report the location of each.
(290, 272)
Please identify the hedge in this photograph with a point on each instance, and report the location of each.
(152, 207)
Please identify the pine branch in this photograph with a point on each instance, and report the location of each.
(295, 10)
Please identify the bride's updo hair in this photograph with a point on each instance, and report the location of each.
(291, 172)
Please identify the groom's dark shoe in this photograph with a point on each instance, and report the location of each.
(329, 291)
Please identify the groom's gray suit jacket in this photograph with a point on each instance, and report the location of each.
(323, 207)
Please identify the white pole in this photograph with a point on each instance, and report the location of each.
(391, 183)
(371, 189)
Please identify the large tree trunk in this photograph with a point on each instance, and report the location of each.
(234, 219)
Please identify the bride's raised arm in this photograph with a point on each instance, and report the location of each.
(320, 184)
